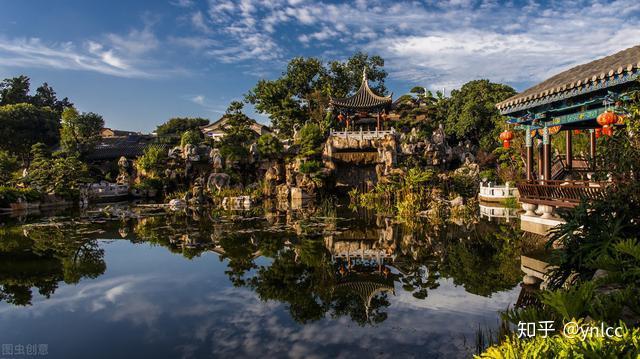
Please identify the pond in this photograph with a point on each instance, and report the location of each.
(323, 281)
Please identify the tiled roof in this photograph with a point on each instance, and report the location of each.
(115, 147)
(363, 99)
(598, 71)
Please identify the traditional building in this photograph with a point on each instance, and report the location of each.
(217, 129)
(364, 108)
(574, 102)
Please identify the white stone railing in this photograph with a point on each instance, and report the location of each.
(362, 135)
(491, 191)
(498, 212)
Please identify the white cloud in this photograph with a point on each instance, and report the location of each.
(182, 3)
(199, 99)
(437, 44)
(111, 54)
(32, 52)
(198, 21)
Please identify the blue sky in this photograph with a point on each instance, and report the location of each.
(138, 63)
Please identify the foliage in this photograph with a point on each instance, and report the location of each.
(153, 161)
(59, 175)
(510, 166)
(302, 92)
(269, 147)
(191, 137)
(10, 195)
(149, 184)
(16, 90)
(80, 132)
(8, 165)
(310, 166)
(472, 113)
(489, 175)
(23, 125)
(559, 346)
(310, 139)
(171, 131)
(238, 133)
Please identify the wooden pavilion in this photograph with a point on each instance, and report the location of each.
(364, 108)
(571, 101)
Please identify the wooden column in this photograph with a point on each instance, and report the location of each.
(540, 161)
(529, 146)
(546, 151)
(568, 150)
(592, 148)
(378, 126)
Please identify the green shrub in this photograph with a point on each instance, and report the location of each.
(152, 161)
(8, 165)
(309, 167)
(269, 147)
(310, 138)
(191, 137)
(10, 195)
(560, 346)
(59, 175)
(489, 175)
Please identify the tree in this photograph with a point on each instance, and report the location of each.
(59, 175)
(14, 90)
(238, 133)
(80, 132)
(192, 137)
(346, 77)
(152, 161)
(472, 113)
(269, 147)
(8, 165)
(46, 97)
(303, 91)
(23, 125)
(311, 137)
(171, 131)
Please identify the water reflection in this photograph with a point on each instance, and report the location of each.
(320, 263)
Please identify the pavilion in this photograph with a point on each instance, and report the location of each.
(572, 101)
(364, 108)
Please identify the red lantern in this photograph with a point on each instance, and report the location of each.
(506, 137)
(607, 131)
(607, 118)
(577, 132)
(598, 132)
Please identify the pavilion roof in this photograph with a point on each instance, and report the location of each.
(602, 73)
(363, 99)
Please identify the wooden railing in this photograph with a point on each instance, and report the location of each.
(561, 193)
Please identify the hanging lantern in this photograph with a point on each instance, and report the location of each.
(506, 137)
(577, 132)
(607, 118)
(340, 117)
(598, 132)
(607, 130)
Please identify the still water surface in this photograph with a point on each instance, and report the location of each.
(131, 282)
